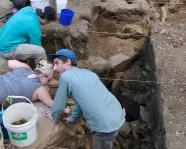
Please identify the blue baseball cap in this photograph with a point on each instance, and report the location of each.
(63, 52)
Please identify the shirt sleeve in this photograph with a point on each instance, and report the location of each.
(59, 100)
(76, 114)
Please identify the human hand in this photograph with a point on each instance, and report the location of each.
(67, 120)
(48, 114)
(67, 110)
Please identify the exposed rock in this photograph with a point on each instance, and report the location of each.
(140, 98)
(131, 107)
(125, 129)
(136, 85)
(6, 4)
(144, 114)
(116, 85)
(133, 29)
(135, 125)
(119, 62)
(125, 143)
(98, 64)
(123, 11)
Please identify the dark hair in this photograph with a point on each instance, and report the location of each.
(49, 13)
(64, 59)
(19, 4)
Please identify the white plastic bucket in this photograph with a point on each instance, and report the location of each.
(24, 134)
(40, 4)
(61, 4)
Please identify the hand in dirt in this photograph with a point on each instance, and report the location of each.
(66, 113)
(48, 114)
(67, 120)
(67, 110)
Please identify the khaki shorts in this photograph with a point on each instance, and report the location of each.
(26, 51)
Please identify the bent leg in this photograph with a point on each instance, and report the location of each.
(104, 140)
(27, 51)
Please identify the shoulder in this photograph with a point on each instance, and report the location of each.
(27, 9)
(64, 77)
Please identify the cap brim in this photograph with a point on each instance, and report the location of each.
(51, 57)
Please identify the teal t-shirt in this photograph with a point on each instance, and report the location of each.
(23, 27)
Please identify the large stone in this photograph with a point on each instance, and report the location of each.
(6, 4)
(98, 64)
(116, 85)
(132, 108)
(140, 98)
(144, 114)
(125, 129)
(133, 29)
(135, 125)
(119, 62)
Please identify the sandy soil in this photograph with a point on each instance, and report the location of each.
(170, 48)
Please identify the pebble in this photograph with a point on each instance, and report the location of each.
(162, 31)
(180, 134)
(170, 122)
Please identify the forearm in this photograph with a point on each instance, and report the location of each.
(13, 64)
(59, 102)
(44, 96)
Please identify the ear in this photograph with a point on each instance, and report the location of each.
(69, 61)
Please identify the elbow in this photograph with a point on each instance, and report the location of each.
(10, 62)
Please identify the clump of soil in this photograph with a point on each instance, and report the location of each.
(19, 122)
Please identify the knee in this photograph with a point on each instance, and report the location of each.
(41, 51)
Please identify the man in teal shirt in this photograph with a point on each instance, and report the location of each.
(99, 106)
(20, 37)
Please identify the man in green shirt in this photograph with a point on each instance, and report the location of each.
(20, 37)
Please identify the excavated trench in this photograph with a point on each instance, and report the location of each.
(122, 55)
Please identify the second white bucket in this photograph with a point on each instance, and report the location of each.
(40, 4)
(61, 4)
(24, 134)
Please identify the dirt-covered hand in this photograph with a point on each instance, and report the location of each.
(48, 114)
(67, 120)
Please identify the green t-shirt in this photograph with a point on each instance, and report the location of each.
(23, 27)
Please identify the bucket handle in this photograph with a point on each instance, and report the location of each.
(17, 97)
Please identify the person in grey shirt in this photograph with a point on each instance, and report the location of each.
(23, 81)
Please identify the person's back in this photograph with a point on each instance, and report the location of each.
(101, 109)
(16, 82)
(20, 29)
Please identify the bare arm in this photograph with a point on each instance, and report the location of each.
(43, 95)
(13, 64)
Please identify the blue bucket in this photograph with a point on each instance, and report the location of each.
(66, 17)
